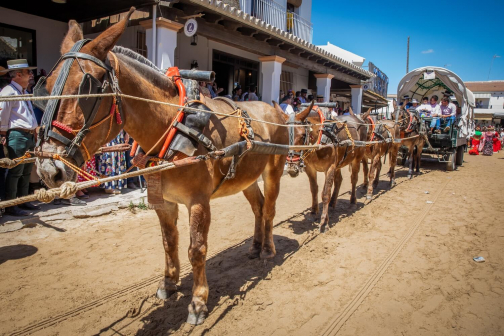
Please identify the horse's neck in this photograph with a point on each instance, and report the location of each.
(146, 122)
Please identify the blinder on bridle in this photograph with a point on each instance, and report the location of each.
(88, 105)
(294, 158)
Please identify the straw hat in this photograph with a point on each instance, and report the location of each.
(15, 65)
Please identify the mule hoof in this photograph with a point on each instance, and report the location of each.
(410, 176)
(162, 294)
(388, 174)
(254, 252)
(196, 317)
(369, 197)
(323, 228)
(392, 183)
(267, 254)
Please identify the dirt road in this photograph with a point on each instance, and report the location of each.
(396, 266)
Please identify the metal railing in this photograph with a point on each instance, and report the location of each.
(277, 15)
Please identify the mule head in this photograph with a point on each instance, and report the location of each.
(298, 135)
(71, 115)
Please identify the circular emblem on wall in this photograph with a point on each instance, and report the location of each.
(365, 87)
(190, 27)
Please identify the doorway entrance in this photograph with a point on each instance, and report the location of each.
(231, 70)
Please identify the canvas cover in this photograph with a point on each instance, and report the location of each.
(428, 81)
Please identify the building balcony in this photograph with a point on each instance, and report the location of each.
(278, 16)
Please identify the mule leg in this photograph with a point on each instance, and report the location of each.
(168, 221)
(419, 157)
(326, 197)
(271, 176)
(365, 169)
(199, 222)
(411, 161)
(392, 163)
(338, 179)
(372, 173)
(256, 200)
(354, 179)
(312, 177)
(377, 172)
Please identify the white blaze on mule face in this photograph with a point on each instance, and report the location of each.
(53, 172)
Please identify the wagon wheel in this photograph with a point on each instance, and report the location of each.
(450, 164)
(459, 160)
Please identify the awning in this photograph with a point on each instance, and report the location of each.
(499, 115)
(483, 118)
(482, 95)
(74, 9)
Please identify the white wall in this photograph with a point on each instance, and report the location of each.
(305, 10)
(300, 78)
(497, 100)
(49, 34)
(128, 39)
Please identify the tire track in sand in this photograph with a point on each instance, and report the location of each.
(335, 325)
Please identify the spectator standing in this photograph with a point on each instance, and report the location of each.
(18, 124)
(237, 92)
(286, 105)
(113, 164)
(302, 98)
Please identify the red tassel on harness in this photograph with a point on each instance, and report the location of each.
(115, 109)
(62, 126)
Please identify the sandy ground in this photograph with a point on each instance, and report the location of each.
(396, 266)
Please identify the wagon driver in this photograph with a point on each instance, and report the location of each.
(17, 129)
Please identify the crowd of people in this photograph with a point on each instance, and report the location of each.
(487, 140)
(18, 122)
(430, 108)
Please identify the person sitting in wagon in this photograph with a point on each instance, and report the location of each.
(448, 112)
(425, 109)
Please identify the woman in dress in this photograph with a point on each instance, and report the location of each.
(475, 141)
(113, 164)
(486, 145)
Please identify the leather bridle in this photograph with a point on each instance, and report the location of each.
(88, 105)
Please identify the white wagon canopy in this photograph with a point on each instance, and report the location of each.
(428, 81)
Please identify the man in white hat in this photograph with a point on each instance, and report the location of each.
(17, 125)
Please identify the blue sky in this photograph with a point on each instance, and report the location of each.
(464, 35)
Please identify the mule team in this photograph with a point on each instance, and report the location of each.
(193, 186)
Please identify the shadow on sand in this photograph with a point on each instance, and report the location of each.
(14, 252)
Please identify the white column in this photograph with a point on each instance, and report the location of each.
(271, 68)
(166, 41)
(356, 98)
(324, 85)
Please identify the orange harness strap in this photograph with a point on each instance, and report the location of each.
(373, 127)
(322, 120)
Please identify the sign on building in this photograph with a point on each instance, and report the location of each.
(379, 83)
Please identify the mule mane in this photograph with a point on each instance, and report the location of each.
(143, 67)
(135, 56)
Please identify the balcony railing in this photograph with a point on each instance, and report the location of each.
(277, 15)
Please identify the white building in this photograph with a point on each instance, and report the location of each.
(261, 43)
(489, 97)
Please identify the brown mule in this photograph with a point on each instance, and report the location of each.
(329, 160)
(191, 186)
(413, 139)
(381, 130)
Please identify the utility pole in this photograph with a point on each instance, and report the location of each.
(407, 58)
(491, 64)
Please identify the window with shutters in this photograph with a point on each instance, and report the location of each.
(286, 81)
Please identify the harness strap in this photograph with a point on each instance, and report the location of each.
(75, 54)
(200, 137)
(56, 91)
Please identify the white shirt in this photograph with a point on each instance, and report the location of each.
(287, 109)
(251, 96)
(450, 109)
(16, 114)
(436, 110)
(424, 108)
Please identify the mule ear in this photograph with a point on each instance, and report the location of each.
(74, 34)
(102, 44)
(279, 110)
(366, 114)
(394, 103)
(351, 111)
(303, 115)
